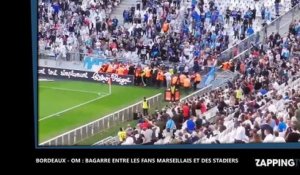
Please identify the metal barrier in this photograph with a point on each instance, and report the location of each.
(108, 141)
(78, 134)
(197, 93)
(70, 56)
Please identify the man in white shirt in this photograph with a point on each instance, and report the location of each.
(272, 107)
(240, 134)
(147, 134)
(186, 70)
(168, 79)
(269, 137)
(278, 139)
(128, 141)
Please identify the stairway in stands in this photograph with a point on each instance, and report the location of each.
(118, 11)
(221, 79)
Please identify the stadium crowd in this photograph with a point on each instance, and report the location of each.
(160, 29)
(171, 39)
(261, 106)
(253, 107)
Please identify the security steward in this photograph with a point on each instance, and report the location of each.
(138, 78)
(175, 80)
(145, 107)
(197, 80)
(187, 84)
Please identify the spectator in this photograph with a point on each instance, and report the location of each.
(269, 136)
(240, 134)
(278, 139)
(191, 126)
(170, 125)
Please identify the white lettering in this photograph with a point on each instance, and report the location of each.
(114, 78)
(42, 71)
(257, 162)
(275, 162)
(73, 74)
(98, 77)
(148, 160)
(75, 160)
(52, 72)
(174, 160)
(97, 160)
(225, 160)
(50, 160)
(120, 160)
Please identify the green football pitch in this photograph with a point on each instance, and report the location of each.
(65, 105)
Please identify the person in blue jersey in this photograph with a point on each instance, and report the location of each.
(115, 22)
(234, 14)
(191, 126)
(250, 31)
(208, 16)
(56, 8)
(125, 16)
(170, 125)
(213, 37)
(146, 16)
(262, 11)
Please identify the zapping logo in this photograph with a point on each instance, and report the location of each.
(277, 162)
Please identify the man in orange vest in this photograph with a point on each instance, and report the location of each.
(159, 78)
(226, 66)
(175, 80)
(137, 76)
(147, 71)
(182, 78)
(197, 80)
(187, 84)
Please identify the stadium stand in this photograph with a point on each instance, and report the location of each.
(181, 34)
(72, 30)
(261, 106)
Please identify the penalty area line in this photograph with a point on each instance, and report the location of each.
(71, 108)
(65, 89)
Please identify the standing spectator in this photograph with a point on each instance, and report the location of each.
(168, 79)
(170, 125)
(191, 126)
(277, 4)
(282, 125)
(262, 11)
(147, 133)
(236, 29)
(186, 111)
(269, 136)
(240, 134)
(278, 139)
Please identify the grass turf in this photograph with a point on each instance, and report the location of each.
(60, 95)
(113, 131)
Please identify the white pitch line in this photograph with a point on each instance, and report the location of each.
(90, 101)
(65, 89)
